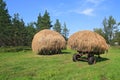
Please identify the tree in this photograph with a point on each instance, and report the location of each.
(99, 31)
(65, 31)
(39, 22)
(30, 33)
(109, 27)
(46, 22)
(5, 23)
(4, 16)
(19, 30)
(57, 26)
(117, 37)
(43, 22)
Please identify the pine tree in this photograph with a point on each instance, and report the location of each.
(5, 24)
(19, 30)
(39, 22)
(43, 22)
(30, 33)
(65, 31)
(57, 26)
(46, 21)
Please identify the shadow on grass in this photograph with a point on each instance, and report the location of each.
(101, 59)
(60, 53)
(64, 52)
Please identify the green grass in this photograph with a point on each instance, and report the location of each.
(25, 65)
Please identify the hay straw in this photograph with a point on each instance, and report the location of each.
(87, 42)
(48, 42)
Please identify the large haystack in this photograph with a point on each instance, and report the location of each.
(48, 42)
(87, 42)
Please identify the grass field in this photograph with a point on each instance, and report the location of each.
(25, 65)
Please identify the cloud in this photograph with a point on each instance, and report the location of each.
(95, 2)
(85, 7)
(88, 12)
(88, 7)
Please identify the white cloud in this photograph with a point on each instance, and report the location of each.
(95, 2)
(88, 12)
(88, 7)
(85, 7)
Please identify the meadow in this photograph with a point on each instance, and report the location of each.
(25, 65)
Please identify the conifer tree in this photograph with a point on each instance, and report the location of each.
(57, 26)
(5, 24)
(19, 31)
(65, 31)
(43, 22)
(39, 22)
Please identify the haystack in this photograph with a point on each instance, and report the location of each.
(87, 42)
(48, 42)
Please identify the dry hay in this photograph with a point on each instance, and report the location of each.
(87, 42)
(48, 42)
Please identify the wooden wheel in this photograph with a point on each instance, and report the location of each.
(91, 60)
(76, 57)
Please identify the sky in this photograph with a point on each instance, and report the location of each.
(77, 14)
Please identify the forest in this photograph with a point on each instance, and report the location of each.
(14, 31)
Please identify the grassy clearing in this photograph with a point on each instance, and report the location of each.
(25, 65)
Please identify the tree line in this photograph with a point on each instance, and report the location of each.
(14, 32)
(110, 31)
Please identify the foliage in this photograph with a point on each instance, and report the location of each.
(65, 31)
(57, 26)
(14, 32)
(5, 23)
(30, 28)
(110, 30)
(19, 31)
(110, 26)
(39, 22)
(117, 38)
(27, 66)
(43, 22)
(99, 31)
(14, 49)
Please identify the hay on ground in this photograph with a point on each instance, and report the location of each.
(87, 42)
(48, 42)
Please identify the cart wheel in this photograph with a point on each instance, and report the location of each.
(91, 60)
(76, 57)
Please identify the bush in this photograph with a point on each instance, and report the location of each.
(14, 49)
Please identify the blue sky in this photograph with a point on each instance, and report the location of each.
(77, 14)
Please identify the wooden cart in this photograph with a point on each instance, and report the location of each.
(90, 58)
